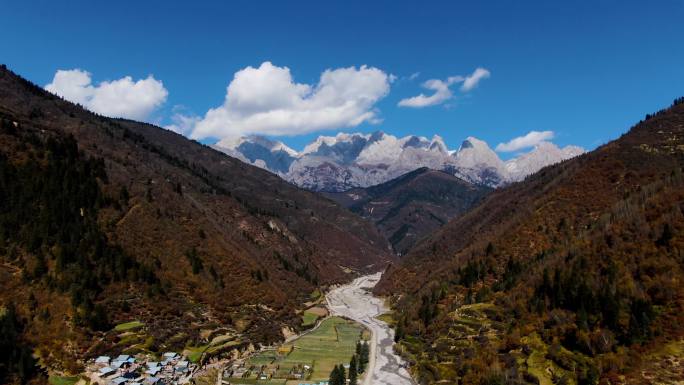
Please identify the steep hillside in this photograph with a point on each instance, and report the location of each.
(412, 206)
(573, 275)
(106, 221)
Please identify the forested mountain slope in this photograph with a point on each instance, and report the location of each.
(104, 221)
(572, 275)
(414, 205)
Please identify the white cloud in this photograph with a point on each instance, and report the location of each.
(181, 123)
(441, 89)
(266, 100)
(123, 97)
(531, 139)
(414, 76)
(442, 93)
(471, 80)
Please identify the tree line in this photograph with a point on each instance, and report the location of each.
(357, 365)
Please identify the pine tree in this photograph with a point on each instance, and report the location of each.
(399, 332)
(363, 350)
(353, 370)
(342, 374)
(334, 376)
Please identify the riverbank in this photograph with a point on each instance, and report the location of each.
(355, 301)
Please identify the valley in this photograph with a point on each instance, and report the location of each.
(308, 358)
(130, 254)
(356, 301)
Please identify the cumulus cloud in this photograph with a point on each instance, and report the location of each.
(121, 98)
(473, 79)
(266, 100)
(442, 93)
(441, 89)
(531, 139)
(181, 123)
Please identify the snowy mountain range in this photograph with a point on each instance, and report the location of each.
(341, 162)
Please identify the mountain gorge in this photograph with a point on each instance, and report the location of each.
(571, 276)
(107, 221)
(412, 206)
(345, 161)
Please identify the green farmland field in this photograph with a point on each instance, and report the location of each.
(332, 343)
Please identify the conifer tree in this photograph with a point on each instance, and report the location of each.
(334, 376)
(353, 370)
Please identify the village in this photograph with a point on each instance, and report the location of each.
(175, 369)
(334, 335)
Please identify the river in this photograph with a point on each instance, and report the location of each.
(356, 302)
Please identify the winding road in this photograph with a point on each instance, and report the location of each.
(355, 301)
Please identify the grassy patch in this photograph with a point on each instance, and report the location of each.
(537, 363)
(194, 353)
(310, 316)
(126, 326)
(63, 380)
(386, 318)
(331, 344)
(309, 319)
(263, 358)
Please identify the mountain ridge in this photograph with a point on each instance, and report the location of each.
(411, 206)
(345, 161)
(574, 273)
(193, 243)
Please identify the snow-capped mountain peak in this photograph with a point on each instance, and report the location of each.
(543, 154)
(331, 141)
(344, 161)
(437, 144)
(380, 149)
(272, 155)
(475, 152)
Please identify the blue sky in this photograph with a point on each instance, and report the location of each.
(585, 70)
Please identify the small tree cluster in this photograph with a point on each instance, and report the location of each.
(362, 353)
(338, 376)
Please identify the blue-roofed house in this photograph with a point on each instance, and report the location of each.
(119, 364)
(123, 357)
(102, 360)
(153, 370)
(153, 380)
(106, 371)
(118, 381)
